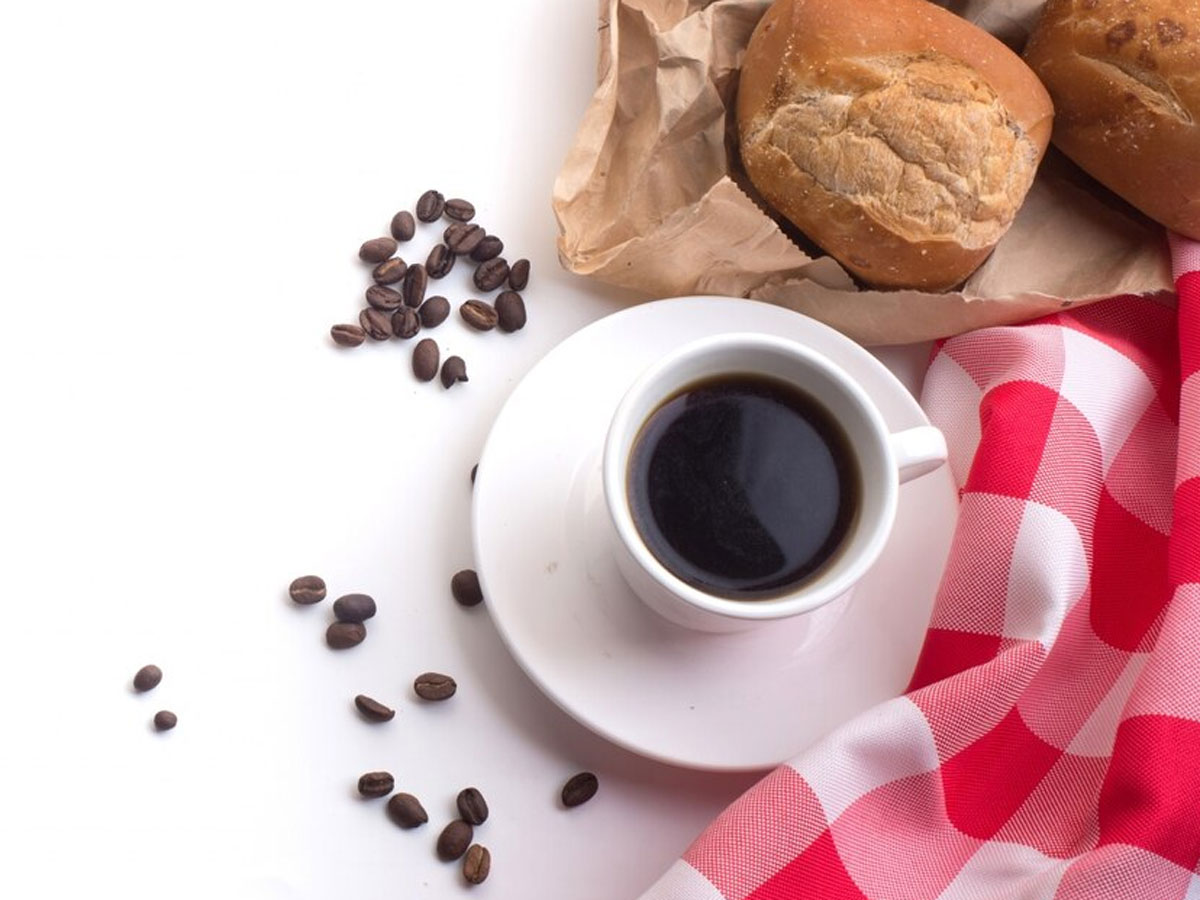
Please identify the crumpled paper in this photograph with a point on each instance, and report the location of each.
(651, 195)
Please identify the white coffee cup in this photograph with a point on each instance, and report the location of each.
(885, 460)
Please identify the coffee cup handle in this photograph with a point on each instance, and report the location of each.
(918, 451)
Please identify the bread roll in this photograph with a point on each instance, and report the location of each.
(1125, 78)
(899, 137)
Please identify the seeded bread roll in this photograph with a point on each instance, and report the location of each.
(1125, 78)
(899, 137)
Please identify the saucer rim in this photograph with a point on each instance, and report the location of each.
(503, 628)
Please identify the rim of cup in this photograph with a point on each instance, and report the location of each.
(808, 595)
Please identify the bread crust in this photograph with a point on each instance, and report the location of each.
(899, 137)
(1125, 79)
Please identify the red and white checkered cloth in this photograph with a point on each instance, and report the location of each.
(1049, 744)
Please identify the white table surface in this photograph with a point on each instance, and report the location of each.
(182, 192)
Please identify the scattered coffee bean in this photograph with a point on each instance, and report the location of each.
(415, 282)
(403, 226)
(344, 635)
(477, 864)
(453, 370)
(454, 840)
(434, 311)
(405, 323)
(479, 315)
(307, 589)
(474, 469)
(406, 811)
(518, 275)
(147, 678)
(165, 720)
(460, 210)
(579, 789)
(390, 271)
(347, 335)
(510, 311)
(377, 250)
(491, 273)
(471, 806)
(430, 206)
(384, 298)
(354, 607)
(488, 248)
(440, 261)
(377, 324)
(434, 686)
(376, 784)
(425, 359)
(463, 238)
(373, 709)
(464, 585)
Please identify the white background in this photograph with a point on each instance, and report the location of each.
(183, 189)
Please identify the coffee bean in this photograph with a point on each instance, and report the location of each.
(390, 271)
(354, 607)
(405, 323)
(415, 282)
(454, 840)
(377, 250)
(510, 310)
(376, 784)
(434, 686)
(460, 210)
(491, 273)
(433, 312)
(403, 226)
(453, 370)
(165, 720)
(463, 238)
(430, 206)
(488, 248)
(347, 335)
(384, 298)
(147, 678)
(377, 324)
(425, 359)
(464, 585)
(373, 709)
(579, 789)
(307, 589)
(477, 864)
(406, 811)
(344, 635)
(479, 315)
(440, 261)
(471, 806)
(518, 275)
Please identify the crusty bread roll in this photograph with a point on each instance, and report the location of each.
(1125, 78)
(899, 137)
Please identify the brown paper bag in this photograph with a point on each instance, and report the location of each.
(650, 197)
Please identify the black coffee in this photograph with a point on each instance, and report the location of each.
(742, 486)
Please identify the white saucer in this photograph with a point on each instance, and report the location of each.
(721, 702)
